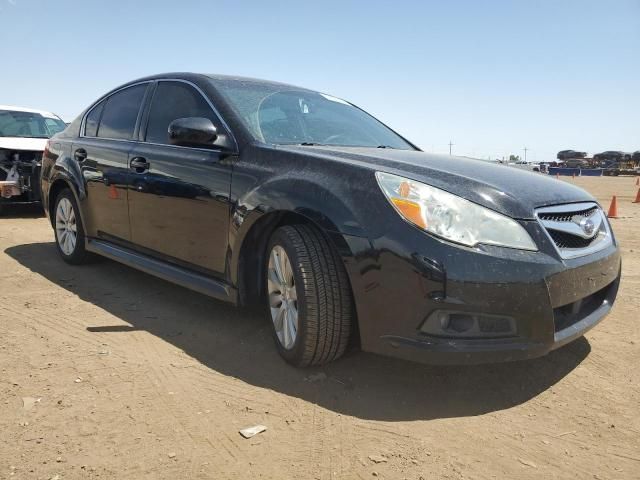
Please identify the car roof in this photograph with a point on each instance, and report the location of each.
(239, 79)
(216, 78)
(44, 113)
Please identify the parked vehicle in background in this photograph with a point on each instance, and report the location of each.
(249, 190)
(576, 163)
(612, 155)
(23, 136)
(615, 162)
(531, 166)
(568, 154)
(544, 166)
(622, 167)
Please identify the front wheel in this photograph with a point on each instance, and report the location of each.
(309, 296)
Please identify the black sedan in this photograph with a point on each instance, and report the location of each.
(570, 154)
(248, 190)
(612, 155)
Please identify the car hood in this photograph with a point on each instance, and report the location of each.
(507, 190)
(21, 143)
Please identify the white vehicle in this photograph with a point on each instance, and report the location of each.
(23, 136)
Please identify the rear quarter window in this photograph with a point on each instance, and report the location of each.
(93, 120)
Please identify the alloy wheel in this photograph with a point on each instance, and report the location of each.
(66, 227)
(283, 298)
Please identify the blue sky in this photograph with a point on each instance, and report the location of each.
(491, 76)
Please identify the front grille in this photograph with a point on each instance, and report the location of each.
(566, 240)
(567, 216)
(575, 229)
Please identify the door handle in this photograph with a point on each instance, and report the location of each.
(139, 164)
(80, 154)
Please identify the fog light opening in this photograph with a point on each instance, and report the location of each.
(443, 323)
(460, 322)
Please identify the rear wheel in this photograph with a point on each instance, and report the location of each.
(68, 229)
(309, 297)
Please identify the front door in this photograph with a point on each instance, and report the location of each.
(179, 196)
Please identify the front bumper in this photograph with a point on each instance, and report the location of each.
(402, 278)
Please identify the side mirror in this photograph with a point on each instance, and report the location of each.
(193, 132)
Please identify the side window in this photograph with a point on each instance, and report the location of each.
(120, 113)
(91, 123)
(173, 100)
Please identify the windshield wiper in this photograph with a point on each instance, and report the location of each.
(304, 144)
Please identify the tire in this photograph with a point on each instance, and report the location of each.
(323, 300)
(76, 255)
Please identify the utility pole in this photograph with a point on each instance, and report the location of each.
(525, 154)
(450, 145)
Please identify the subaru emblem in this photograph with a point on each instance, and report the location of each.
(588, 227)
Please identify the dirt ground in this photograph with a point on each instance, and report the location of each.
(106, 372)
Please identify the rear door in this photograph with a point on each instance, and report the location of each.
(179, 196)
(102, 152)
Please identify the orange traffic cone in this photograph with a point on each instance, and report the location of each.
(613, 208)
(113, 193)
(637, 200)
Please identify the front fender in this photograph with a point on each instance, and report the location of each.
(261, 209)
(268, 202)
(328, 209)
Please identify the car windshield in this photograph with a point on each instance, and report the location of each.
(285, 115)
(28, 124)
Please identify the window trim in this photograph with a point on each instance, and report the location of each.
(143, 116)
(105, 98)
(147, 111)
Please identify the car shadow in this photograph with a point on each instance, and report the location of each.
(237, 342)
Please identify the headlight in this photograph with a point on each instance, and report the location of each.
(451, 217)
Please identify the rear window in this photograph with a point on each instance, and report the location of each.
(121, 112)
